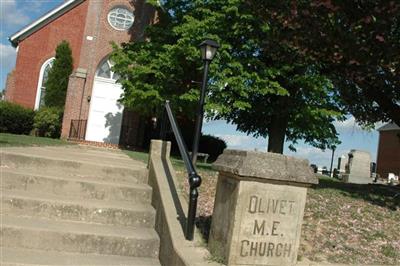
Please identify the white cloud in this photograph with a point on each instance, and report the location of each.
(305, 151)
(234, 140)
(348, 125)
(243, 142)
(7, 56)
(315, 155)
(11, 15)
(7, 61)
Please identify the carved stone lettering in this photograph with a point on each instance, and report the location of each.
(269, 229)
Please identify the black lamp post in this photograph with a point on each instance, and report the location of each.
(333, 154)
(208, 50)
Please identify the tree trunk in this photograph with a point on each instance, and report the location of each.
(277, 133)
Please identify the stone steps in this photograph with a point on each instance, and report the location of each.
(29, 257)
(84, 152)
(72, 187)
(53, 166)
(67, 236)
(75, 206)
(94, 211)
(113, 158)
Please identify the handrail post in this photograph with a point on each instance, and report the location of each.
(194, 182)
(191, 214)
(194, 178)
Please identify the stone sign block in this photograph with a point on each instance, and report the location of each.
(259, 208)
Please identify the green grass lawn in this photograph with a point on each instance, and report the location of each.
(7, 140)
(137, 155)
(176, 161)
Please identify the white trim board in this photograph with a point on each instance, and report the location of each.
(39, 86)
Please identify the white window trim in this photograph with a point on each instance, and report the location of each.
(105, 80)
(124, 7)
(39, 86)
(109, 62)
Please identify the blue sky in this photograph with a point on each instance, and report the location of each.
(15, 14)
(351, 135)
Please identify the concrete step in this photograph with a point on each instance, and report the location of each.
(20, 203)
(76, 153)
(62, 236)
(74, 188)
(53, 166)
(28, 257)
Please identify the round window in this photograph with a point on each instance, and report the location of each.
(120, 18)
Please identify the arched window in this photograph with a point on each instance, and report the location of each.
(104, 70)
(43, 76)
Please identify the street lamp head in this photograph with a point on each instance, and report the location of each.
(208, 49)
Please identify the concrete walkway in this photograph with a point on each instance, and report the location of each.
(75, 205)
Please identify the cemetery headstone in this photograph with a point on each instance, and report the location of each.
(342, 165)
(358, 168)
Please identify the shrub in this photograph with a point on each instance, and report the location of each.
(211, 145)
(57, 82)
(15, 119)
(47, 122)
(214, 146)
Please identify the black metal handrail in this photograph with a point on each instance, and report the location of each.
(194, 178)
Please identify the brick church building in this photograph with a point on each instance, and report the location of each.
(92, 112)
(388, 159)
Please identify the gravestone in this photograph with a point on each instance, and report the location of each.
(342, 165)
(259, 208)
(358, 170)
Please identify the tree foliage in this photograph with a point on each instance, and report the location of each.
(258, 81)
(357, 44)
(57, 82)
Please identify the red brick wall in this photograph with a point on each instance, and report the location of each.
(72, 104)
(94, 51)
(40, 46)
(10, 86)
(388, 160)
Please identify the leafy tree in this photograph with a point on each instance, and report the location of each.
(57, 82)
(258, 82)
(358, 46)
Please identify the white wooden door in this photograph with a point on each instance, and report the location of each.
(105, 113)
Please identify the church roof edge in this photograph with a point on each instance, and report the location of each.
(389, 127)
(42, 21)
